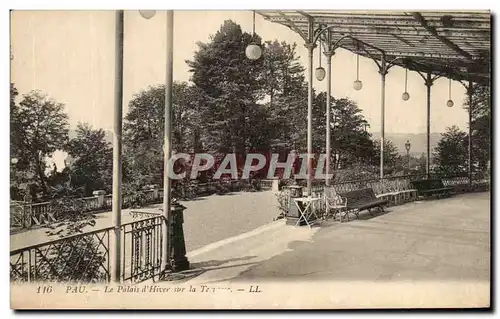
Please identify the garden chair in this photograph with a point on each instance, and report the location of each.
(334, 203)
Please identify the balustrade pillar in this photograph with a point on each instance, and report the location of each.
(99, 194)
(155, 189)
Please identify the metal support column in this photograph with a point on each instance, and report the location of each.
(383, 72)
(469, 93)
(328, 55)
(165, 262)
(310, 49)
(115, 264)
(428, 83)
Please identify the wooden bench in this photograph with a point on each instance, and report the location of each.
(429, 187)
(362, 199)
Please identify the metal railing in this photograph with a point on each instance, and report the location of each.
(142, 249)
(26, 215)
(85, 257)
(82, 258)
(387, 186)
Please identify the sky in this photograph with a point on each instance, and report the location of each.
(70, 56)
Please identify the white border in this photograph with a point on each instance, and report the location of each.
(186, 5)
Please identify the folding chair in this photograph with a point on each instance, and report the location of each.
(334, 202)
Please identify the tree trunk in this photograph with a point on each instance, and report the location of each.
(41, 176)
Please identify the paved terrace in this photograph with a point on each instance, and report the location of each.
(206, 219)
(444, 243)
(433, 253)
(446, 239)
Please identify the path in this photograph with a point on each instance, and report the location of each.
(206, 220)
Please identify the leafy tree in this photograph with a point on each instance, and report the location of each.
(144, 130)
(391, 155)
(285, 87)
(350, 142)
(451, 157)
(14, 135)
(282, 74)
(411, 165)
(93, 165)
(39, 126)
(16, 174)
(422, 163)
(481, 124)
(230, 85)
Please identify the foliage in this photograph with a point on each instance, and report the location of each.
(350, 142)
(93, 159)
(356, 172)
(68, 207)
(78, 258)
(284, 85)
(14, 133)
(391, 155)
(75, 260)
(451, 153)
(39, 126)
(144, 131)
(229, 94)
(481, 125)
(283, 201)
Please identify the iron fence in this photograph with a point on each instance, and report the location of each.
(26, 215)
(85, 257)
(386, 187)
(142, 249)
(81, 258)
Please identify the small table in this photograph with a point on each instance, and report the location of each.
(306, 211)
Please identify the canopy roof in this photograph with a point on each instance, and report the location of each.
(451, 44)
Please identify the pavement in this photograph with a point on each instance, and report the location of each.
(206, 219)
(424, 254)
(442, 243)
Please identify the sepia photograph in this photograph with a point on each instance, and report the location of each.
(250, 159)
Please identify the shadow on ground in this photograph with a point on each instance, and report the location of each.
(433, 240)
(216, 264)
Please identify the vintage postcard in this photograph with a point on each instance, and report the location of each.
(266, 159)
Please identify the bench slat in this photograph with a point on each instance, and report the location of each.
(430, 186)
(363, 199)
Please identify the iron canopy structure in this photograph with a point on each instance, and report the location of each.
(451, 44)
(456, 45)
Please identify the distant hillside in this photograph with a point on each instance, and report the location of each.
(418, 141)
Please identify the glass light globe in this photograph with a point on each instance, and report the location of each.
(449, 103)
(253, 51)
(405, 96)
(14, 161)
(320, 73)
(147, 14)
(357, 85)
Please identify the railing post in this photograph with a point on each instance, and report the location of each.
(275, 185)
(99, 194)
(155, 191)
